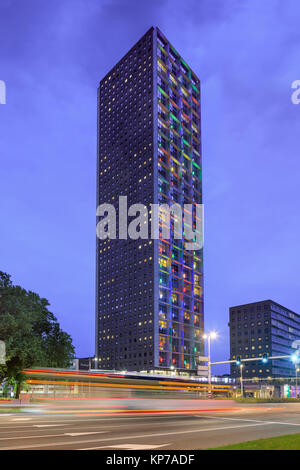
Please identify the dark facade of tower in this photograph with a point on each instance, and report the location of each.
(149, 293)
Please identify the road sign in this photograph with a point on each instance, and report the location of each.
(202, 370)
(202, 358)
(2, 353)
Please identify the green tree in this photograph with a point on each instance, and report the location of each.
(31, 332)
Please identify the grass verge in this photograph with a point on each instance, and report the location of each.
(288, 442)
(267, 400)
(10, 410)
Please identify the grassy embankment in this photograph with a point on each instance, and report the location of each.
(288, 442)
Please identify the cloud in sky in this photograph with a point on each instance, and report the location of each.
(53, 55)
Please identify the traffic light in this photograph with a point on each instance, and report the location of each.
(238, 361)
(265, 358)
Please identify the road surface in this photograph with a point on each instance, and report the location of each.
(180, 425)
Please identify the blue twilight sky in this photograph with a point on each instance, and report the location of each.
(246, 53)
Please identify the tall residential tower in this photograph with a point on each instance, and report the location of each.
(149, 293)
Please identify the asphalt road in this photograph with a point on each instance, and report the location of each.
(86, 426)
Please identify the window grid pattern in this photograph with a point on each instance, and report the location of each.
(179, 181)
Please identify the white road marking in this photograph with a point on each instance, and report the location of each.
(73, 434)
(16, 438)
(21, 419)
(40, 436)
(16, 428)
(250, 420)
(45, 425)
(138, 446)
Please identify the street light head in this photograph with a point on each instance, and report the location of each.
(295, 357)
(211, 335)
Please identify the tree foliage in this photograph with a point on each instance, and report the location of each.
(31, 332)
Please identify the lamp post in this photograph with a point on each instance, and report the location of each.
(242, 385)
(209, 337)
(296, 358)
(297, 370)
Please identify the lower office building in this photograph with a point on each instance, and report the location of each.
(260, 328)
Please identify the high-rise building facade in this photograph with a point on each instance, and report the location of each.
(263, 328)
(149, 292)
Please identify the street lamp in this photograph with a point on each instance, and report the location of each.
(209, 337)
